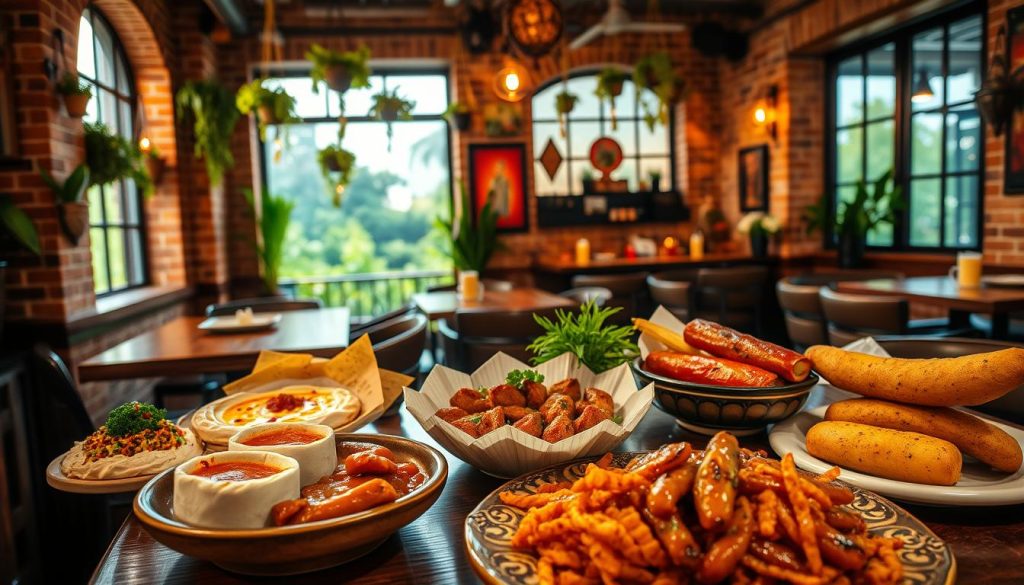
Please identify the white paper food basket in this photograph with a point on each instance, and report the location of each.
(509, 452)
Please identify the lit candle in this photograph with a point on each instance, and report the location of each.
(583, 251)
(697, 245)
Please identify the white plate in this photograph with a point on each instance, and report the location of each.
(229, 324)
(1011, 280)
(979, 485)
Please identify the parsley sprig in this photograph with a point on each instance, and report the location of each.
(134, 417)
(517, 377)
(599, 346)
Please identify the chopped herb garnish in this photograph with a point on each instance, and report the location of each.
(617, 419)
(134, 417)
(517, 377)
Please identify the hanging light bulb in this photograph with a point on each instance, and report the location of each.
(511, 82)
(922, 88)
(145, 145)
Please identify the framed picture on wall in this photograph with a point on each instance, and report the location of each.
(497, 175)
(1014, 165)
(753, 174)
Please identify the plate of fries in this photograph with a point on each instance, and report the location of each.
(639, 517)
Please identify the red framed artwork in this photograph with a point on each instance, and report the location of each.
(1014, 178)
(497, 175)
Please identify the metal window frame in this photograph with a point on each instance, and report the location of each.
(902, 39)
(636, 117)
(134, 279)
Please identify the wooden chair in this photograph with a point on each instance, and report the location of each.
(473, 338)
(400, 345)
(852, 316)
(731, 296)
(674, 290)
(19, 479)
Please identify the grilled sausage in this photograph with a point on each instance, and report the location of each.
(702, 370)
(725, 553)
(724, 342)
(714, 490)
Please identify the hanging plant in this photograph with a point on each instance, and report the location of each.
(336, 165)
(341, 71)
(70, 194)
(564, 103)
(76, 94)
(389, 107)
(272, 106)
(609, 87)
(656, 73)
(111, 157)
(213, 110)
(459, 115)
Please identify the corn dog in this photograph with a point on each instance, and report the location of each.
(898, 455)
(972, 435)
(961, 381)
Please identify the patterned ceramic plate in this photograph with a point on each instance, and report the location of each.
(927, 560)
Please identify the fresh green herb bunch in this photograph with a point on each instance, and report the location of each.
(213, 109)
(517, 377)
(134, 417)
(598, 346)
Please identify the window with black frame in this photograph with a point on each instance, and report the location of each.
(644, 150)
(906, 102)
(116, 222)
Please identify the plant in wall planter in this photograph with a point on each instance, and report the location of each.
(336, 165)
(214, 115)
(609, 87)
(76, 95)
(459, 115)
(473, 240)
(272, 221)
(564, 103)
(390, 107)
(656, 73)
(855, 218)
(155, 164)
(341, 71)
(74, 210)
(111, 157)
(271, 106)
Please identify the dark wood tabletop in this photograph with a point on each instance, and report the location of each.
(179, 346)
(988, 542)
(942, 291)
(443, 304)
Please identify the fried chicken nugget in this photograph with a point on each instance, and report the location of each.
(514, 413)
(531, 424)
(492, 419)
(536, 393)
(590, 416)
(450, 414)
(555, 405)
(569, 387)
(559, 428)
(596, 397)
(470, 400)
(506, 395)
(468, 424)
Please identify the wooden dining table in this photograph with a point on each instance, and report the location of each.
(444, 304)
(942, 291)
(988, 543)
(179, 347)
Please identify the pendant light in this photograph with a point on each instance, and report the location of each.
(922, 89)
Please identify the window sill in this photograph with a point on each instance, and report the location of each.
(125, 305)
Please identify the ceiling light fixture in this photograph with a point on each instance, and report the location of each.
(922, 89)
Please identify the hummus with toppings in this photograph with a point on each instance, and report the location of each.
(218, 421)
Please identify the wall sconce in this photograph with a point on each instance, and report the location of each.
(155, 163)
(765, 111)
(511, 83)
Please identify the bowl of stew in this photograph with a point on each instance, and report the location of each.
(317, 530)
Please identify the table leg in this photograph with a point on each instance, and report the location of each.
(1000, 325)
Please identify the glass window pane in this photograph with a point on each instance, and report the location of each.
(124, 85)
(627, 172)
(307, 103)
(924, 212)
(126, 124)
(104, 54)
(625, 135)
(135, 257)
(582, 135)
(625, 104)
(543, 103)
(925, 144)
(850, 92)
(95, 209)
(962, 211)
(654, 141)
(583, 87)
(99, 260)
(430, 92)
(576, 174)
(544, 131)
(92, 111)
(661, 165)
(965, 66)
(131, 200)
(86, 63)
(108, 110)
(880, 147)
(118, 268)
(881, 82)
(927, 83)
(544, 186)
(963, 139)
(112, 202)
(849, 155)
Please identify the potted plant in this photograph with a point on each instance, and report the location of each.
(334, 159)
(76, 94)
(564, 103)
(272, 219)
(74, 210)
(588, 181)
(855, 218)
(459, 115)
(656, 73)
(609, 87)
(759, 227)
(390, 107)
(214, 115)
(341, 71)
(473, 242)
(655, 177)
(111, 157)
(272, 106)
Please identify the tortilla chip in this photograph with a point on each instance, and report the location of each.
(269, 358)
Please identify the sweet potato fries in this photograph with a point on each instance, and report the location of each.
(682, 516)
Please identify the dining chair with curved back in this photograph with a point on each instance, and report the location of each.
(398, 343)
(852, 316)
(626, 289)
(674, 290)
(585, 294)
(472, 338)
(801, 307)
(731, 296)
(263, 305)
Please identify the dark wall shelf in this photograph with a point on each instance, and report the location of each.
(611, 209)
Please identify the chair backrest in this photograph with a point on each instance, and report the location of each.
(56, 401)
(476, 336)
(801, 308)
(828, 278)
(356, 330)
(399, 342)
(263, 305)
(851, 317)
(626, 290)
(584, 294)
(672, 288)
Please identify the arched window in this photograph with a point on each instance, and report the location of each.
(644, 150)
(116, 223)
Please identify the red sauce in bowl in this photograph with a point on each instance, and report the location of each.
(234, 470)
(286, 436)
